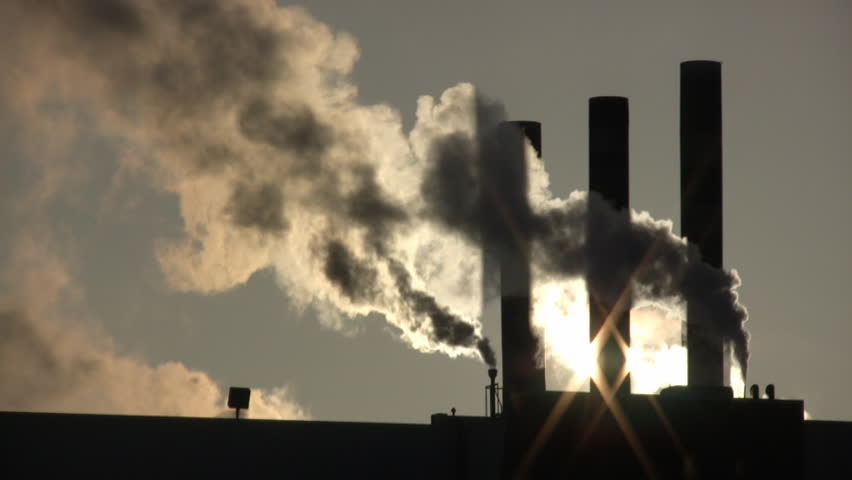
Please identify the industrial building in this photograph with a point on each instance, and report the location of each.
(694, 431)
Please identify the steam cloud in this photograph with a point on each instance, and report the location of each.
(662, 267)
(46, 368)
(245, 111)
(52, 360)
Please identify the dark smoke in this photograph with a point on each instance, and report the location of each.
(487, 353)
(451, 188)
(445, 326)
(290, 128)
(260, 207)
(356, 279)
(478, 186)
(224, 53)
(369, 208)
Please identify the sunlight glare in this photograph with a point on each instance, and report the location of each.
(656, 358)
(736, 379)
(561, 313)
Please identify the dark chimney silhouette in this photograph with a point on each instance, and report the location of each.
(701, 200)
(609, 177)
(492, 392)
(523, 367)
(523, 370)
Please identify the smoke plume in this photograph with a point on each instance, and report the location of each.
(53, 359)
(637, 250)
(48, 368)
(245, 111)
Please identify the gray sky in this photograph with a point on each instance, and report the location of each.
(787, 106)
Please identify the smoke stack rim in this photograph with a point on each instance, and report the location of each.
(530, 129)
(611, 100)
(705, 63)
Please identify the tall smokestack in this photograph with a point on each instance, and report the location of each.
(701, 199)
(609, 176)
(522, 366)
(523, 371)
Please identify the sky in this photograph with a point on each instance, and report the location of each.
(154, 254)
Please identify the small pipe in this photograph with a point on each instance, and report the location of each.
(492, 391)
(755, 391)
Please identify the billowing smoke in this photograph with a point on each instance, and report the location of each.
(49, 368)
(257, 207)
(52, 358)
(245, 111)
(662, 267)
(446, 327)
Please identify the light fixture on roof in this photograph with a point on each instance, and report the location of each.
(238, 398)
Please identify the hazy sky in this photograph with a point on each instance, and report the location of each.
(787, 119)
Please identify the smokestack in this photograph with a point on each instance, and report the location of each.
(523, 370)
(609, 174)
(532, 132)
(492, 391)
(701, 200)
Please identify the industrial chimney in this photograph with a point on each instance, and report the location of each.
(701, 199)
(492, 390)
(609, 177)
(506, 189)
(506, 255)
